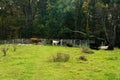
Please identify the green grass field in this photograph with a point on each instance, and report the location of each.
(32, 63)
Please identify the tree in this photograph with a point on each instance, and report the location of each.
(28, 9)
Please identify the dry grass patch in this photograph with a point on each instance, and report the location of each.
(60, 57)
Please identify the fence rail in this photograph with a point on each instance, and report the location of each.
(74, 42)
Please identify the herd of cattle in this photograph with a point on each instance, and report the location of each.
(96, 45)
(93, 44)
(53, 42)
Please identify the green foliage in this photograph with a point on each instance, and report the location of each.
(52, 18)
(85, 8)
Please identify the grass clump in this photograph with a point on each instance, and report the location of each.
(113, 58)
(14, 47)
(83, 58)
(112, 76)
(60, 57)
(4, 50)
(87, 50)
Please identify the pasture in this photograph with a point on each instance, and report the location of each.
(32, 63)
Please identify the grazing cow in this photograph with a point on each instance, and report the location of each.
(104, 47)
(69, 45)
(35, 40)
(110, 47)
(96, 44)
(55, 42)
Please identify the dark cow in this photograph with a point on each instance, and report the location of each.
(96, 44)
(35, 40)
(69, 45)
(110, 47)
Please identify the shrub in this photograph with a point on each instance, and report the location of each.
(82, 58)
(60, 57)
(14, 47)
(87, 50)
(4, 50)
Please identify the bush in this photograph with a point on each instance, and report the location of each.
(87, 50)
(83, 58)
(60, 57)
(4, 50)
(14, 47)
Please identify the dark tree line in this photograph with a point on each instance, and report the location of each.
(73, 19)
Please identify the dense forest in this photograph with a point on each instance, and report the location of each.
(60, 19)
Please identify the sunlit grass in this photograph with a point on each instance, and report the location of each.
(32, 63)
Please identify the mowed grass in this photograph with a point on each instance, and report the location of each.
(32, 63)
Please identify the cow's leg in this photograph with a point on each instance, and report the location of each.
(53, 43)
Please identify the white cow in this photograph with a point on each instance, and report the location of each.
(55, 42)
(104, 47)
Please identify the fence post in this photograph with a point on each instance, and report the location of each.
(74, 43)
(61, 42)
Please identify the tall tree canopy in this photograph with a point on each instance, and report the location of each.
(76, 19)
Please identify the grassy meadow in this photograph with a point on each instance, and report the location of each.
(32, 63)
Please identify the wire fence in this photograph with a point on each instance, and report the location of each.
(62, 42)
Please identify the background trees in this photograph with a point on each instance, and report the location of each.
(60, 19)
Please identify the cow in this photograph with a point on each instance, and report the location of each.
(35, 40)
(95, 45)
(110, 47)
(55, 42)
(69, 45)
(104, 47)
